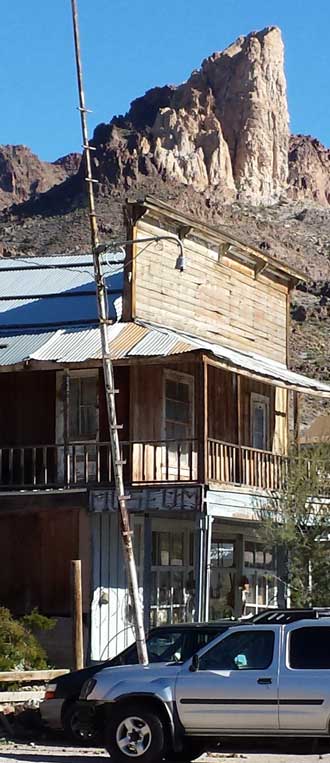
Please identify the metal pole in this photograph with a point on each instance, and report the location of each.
(110, 391)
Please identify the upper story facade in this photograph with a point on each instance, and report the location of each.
(199, 340)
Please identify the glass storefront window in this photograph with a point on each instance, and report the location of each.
(173, 584)
(260, 571)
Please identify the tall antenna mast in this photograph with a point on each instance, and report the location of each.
(108, 371)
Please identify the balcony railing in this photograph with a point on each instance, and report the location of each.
(242, 465)
(78, 464)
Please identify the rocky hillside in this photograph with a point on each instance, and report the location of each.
(24, 176)
(218, 147)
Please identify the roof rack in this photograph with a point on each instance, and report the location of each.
(282, 616)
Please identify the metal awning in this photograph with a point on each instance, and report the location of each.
(78, 345)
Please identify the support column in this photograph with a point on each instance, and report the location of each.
(239, 563)
(296, 419)
(199, 566)
(207, 564)
(147, 563)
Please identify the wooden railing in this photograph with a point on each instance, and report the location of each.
(89, 463)
(242, 465)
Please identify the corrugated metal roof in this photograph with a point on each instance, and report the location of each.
(76, 345)
(52, 291)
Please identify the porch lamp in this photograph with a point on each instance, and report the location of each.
(180, 263)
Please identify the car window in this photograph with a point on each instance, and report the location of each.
(244, 650)
(204, 637)
(310, 648)
(166, 646)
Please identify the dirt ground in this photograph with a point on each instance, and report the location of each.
(57, 753)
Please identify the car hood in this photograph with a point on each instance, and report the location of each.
(112, 683)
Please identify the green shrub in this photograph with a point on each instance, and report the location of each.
(19, 648)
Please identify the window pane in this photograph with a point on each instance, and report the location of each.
(177, 551)
(255, 647)
(165, 646)
(310, 648)
(74, 408)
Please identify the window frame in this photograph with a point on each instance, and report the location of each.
(264, 400)
(288, 647)
(80, 375)
(182, 378)
(236, 669)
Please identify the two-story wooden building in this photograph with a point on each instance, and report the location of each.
(199, 340)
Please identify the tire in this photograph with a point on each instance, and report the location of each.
(135, 732)
(83, 732)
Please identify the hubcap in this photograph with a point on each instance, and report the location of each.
(133, 736)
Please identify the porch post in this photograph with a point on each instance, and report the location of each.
(66, 425)
(203, 417)
(199, 557)
(296, 418)
(239, 429)
(147, 562)
(207, 565)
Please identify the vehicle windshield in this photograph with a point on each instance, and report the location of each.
(166, 647)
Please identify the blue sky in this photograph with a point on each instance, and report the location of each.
(130, 46)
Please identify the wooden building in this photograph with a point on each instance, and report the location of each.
(199, 340)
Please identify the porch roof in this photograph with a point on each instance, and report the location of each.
(80, 345)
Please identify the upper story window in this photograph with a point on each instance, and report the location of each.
(83, 407)
(260, 422)
(178, 406)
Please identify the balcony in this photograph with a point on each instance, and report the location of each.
(241, 465)
(88, 464)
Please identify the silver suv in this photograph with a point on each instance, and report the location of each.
(254, 680)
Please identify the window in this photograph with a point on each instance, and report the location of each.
(310, 648)
(172, 576)
(83, 407)
(260, 422)
(222, 553)
(249, 650)
(166, 646)
(178, 406)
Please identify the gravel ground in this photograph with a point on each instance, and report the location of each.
(57, 753)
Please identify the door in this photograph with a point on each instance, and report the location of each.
(304, 690)
(235, 686)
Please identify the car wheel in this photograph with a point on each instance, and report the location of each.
(135, 732)
(78, 729)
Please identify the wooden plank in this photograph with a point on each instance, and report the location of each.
(21, 696)
(205, 414)
(27, 676)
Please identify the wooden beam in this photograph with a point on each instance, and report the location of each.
(78, 646)
(296, 419)
(30, 676)
(205, 420)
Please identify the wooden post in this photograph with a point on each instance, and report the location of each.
(296, 418)
(205, 420)
(77, 632)
(239, 429)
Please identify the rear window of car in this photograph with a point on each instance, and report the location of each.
(309, 648)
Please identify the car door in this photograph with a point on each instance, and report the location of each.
(304, 684)
(235, 685)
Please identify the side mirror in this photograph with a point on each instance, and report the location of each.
(194, 663)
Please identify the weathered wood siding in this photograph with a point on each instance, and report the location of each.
(213, 297)
(35, 551)
(223, 409)
(222, 405)
(27, 411)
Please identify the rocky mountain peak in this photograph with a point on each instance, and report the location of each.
(224, 130)
(24, 176)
